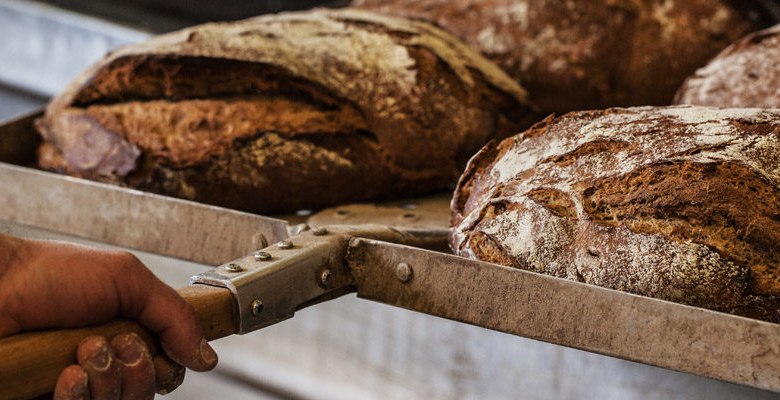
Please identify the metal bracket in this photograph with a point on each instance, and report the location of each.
(269, 285)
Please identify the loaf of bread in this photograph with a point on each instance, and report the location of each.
(678, 203)
(577, 55)
(743, 75)
(282, 112)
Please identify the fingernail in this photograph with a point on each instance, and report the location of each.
(129, 351)
(100, 359)
(207, 354)
(79, 390)
(169, 375)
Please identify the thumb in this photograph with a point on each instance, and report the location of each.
(159, 308)
(173, 319)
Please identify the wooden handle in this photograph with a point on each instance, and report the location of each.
(31, 362)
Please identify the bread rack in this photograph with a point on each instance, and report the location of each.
(269, 269)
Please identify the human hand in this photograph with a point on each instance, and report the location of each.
(52, 284)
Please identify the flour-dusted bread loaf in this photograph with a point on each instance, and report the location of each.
(576, 55)
(277, 113)
(746, 74)
(679, 203)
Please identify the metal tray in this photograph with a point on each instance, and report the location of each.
(650, 331)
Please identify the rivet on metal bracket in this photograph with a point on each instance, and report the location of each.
(403, 272)
(233, 268)
(307, 268)
(325, 278)
(257, 307)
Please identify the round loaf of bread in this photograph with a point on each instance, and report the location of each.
(282, 112)
(678, 203)
(743, 75)
(577, 55)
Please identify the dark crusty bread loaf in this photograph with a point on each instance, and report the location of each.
(679, 203)
(745, 74)
(282, 112)
(576, 55)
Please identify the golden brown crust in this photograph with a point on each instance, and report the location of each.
(576, 55)
(190, 132)
(359, 94)
(680, 203)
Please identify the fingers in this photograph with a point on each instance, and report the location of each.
(97, 359)
(72, 384)
(138, 374)
(169, 375)
(124, 369)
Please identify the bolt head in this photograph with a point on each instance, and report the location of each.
(257, 307)
(262, 256)
(319, 231)
(325, 278)
(233, 268)
(403, 272)
(285, 245)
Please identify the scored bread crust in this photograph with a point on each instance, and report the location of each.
(678, 203)
(743, 75)
(577, 55)
(282, 112)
